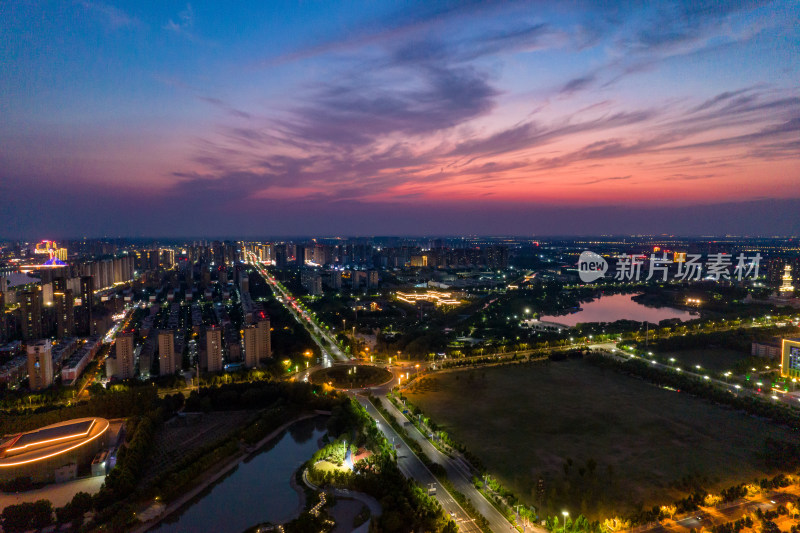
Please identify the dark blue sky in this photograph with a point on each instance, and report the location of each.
(175, 118)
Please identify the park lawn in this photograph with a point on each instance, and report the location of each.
(715, 360)
(525, 421)
(327, 466)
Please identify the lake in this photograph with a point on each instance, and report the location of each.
(258, 490)
(618, 307)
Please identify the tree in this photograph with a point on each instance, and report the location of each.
(668, 511)
(17, 517)
(42, 514)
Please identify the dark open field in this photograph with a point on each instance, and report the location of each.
(647, 444)
(714, 360)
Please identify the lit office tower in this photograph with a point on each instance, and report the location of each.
(87, 297)
(40, 364)
(124, 368)
(65, 314)
(263, 336)
(166, 353)
(214, 349)
(251, 352)
(31, 308)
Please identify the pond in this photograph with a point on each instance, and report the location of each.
(257, 491)
(618, 307)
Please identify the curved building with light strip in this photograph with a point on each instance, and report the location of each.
(53, 453)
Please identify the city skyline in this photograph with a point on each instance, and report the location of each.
(525, 118)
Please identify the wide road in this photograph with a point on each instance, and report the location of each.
(458, 473)
(610, 350)
(330, 347)
(411, 465)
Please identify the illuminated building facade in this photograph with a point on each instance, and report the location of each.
(40, 364)
(786, 289)
(87, 298)
(263, 336)
(214, 349)
(53, 453)
(124, 368)
(56, 255)
(251, 352)
(31, 308)
(65, 313)
(437, 297)
(790, 358)
(419, 260)
(166, 353)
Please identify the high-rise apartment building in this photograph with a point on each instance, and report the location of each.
(31, 309)
(214, 349)
(40, 364)
(251, 352)
(166, 353)
(263, 336)
(125, 356)
(65, 313)
(87, 298)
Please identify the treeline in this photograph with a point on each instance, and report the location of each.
(117, 403)
(29, 515)
(406, 506)
(580, 524)
(349, 417)
(739, 339)
(22, 399)
(776, 411)
(258, 395)
(436, 469)
(113, 504)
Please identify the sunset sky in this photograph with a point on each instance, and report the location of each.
(287, 118)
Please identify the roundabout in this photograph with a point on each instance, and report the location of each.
(349, 376)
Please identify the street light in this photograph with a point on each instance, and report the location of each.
(566, 514)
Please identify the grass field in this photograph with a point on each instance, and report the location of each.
(715, 360)
(327, 466)
(604, 443)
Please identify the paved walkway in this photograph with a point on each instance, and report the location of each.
(375, 508)
(58, 493)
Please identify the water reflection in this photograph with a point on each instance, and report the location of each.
(258, 490)
(618, 307)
